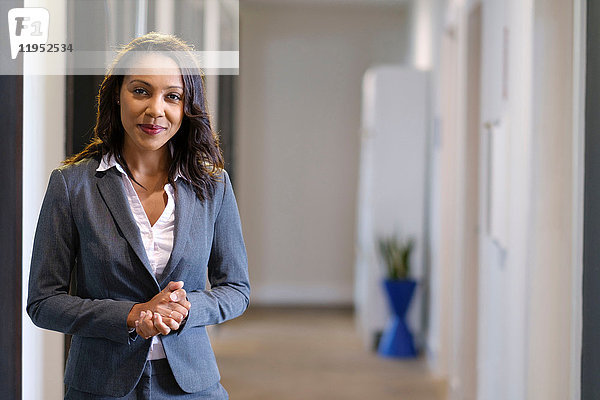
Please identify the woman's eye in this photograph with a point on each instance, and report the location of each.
(139, 91)
(174, 96)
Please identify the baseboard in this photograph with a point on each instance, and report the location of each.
(302, 295)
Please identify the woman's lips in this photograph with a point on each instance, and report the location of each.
(151, 129)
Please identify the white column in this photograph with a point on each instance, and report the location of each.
(43, 149)
(164, 16)
(212, 41)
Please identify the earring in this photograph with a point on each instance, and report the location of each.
(118, 102)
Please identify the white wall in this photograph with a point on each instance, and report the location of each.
(529, 287)
(504, 269)
(551, 291)
(297, 148)
(43, 149)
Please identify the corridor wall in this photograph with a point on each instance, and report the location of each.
(297, 149)
(528, 292)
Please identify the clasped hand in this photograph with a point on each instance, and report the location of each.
(162, 314)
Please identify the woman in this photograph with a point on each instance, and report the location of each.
(140, 218)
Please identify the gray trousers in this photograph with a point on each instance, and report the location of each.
(157, 383)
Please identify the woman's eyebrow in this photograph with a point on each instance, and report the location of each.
(147, 84)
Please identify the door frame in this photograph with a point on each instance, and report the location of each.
(11, 172)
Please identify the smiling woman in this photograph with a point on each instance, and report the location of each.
(142, 216)
(151, 106)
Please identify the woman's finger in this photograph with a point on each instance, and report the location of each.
(170, 314)
(145, 325)
(178, 295)
(141, 330)
(186, 304)
(172, 310)
(160, 325)
(177, 316)
(171, 323)
(173, 320)
(172, 286)
(177, 309)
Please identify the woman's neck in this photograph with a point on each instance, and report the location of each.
(147, 163)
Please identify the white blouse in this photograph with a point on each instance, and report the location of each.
(157, 239)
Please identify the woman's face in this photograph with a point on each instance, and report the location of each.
(151, 100)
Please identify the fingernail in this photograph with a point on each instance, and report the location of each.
(142, 314)
(173, 296)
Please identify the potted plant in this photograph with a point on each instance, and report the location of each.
(397, 340)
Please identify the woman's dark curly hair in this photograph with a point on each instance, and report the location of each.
(197, 155)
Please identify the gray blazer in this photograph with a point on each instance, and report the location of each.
(86, 223)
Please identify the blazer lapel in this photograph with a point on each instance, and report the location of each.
(113, 193)
(184, 212)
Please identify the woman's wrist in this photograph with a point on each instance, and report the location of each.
(134, 314)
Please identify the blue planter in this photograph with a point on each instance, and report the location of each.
(397, 341)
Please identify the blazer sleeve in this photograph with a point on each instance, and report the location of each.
(229, 294)
(55, 247)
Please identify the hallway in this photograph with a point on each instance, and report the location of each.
(465, 127)
(299, 354)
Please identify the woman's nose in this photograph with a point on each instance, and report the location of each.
(155, 107)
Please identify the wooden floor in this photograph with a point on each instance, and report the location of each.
(296, 354)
